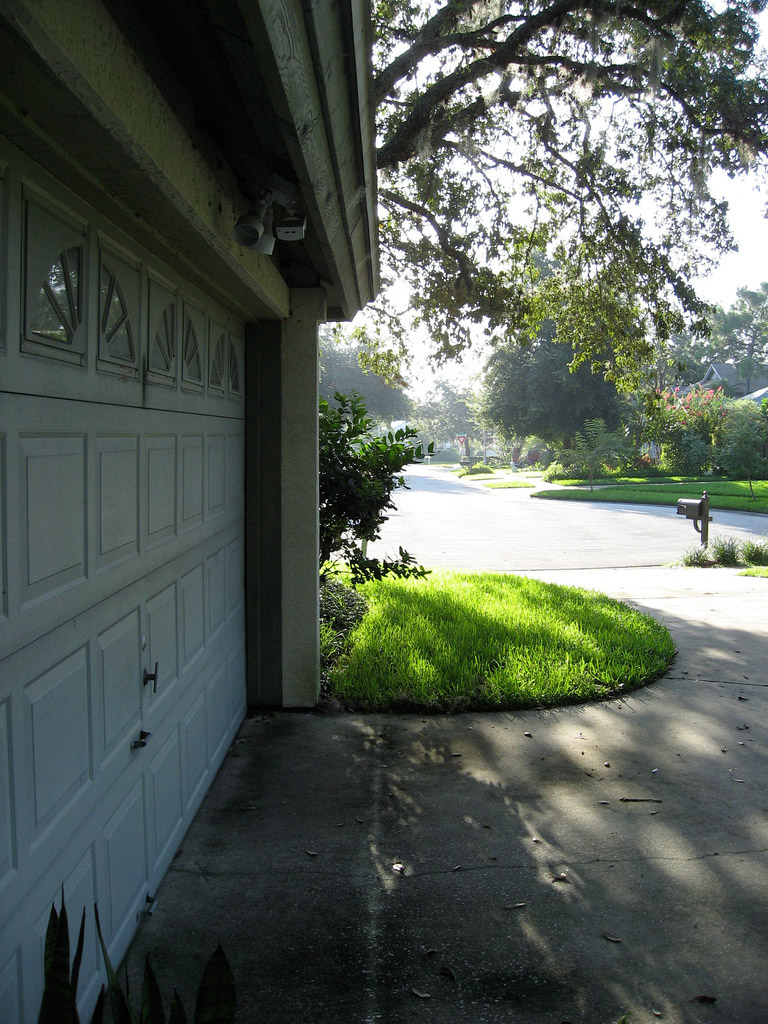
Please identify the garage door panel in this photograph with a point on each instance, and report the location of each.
(215, 475)
(195, 746)
(125, 838)
(161, 489)
(162, 643)
(217, 696)
(52, 505)
(10, 987)
(7, 831)
(117, 498)
(191, 482)
(167, 802)
(192, 616)
(58, 707)
(120, 673)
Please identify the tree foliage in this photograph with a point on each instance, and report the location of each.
(358, 473)
(583, 131)
(741, 451)
(740, 334)
(532, 390)
(593, 448)
(447, 412)
(343, 370)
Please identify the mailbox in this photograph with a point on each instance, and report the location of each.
(697, 510)
(689, 507)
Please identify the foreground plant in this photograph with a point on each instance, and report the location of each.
(359, 470)
(216, 998)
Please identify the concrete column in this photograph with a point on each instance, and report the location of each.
(300, 499)
(282, 497)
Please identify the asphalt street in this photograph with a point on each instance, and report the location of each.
(452, 523)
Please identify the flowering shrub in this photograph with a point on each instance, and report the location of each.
(689, 427)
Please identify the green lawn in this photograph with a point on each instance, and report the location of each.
(723, 494)
(482, 641)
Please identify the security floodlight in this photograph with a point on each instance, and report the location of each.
(250, 227)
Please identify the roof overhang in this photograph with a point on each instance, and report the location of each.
(173, 117)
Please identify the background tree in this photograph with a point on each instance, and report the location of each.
(594, 447)
(448, 412)
(532, 390)
(585, 131)
(741, 452)
(740, 335)
(342, 370)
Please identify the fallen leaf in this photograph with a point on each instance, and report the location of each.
(743, 698)
(607, 764)
(703, 999)
(529, 735)
(640, 800)
(741, 728)
(605, 802)
(446, 972)
(340, 824)
(361, 820)
(312, 853)
(399, 868)
(611, 938)
(456, 755)
(457, 868)
(421, 995)
(656, 1013)
(535, 840)
(515, 906)
(562, 877)
(723, 750)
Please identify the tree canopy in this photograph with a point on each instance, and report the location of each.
(741, 334)
(580, 132)
(531, 390)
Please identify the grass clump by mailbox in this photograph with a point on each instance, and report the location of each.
(483, 641)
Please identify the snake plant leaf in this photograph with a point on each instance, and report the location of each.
(121, 1011)
(177, 1014)
(77, 958)
(216, 997)
(58, 1004)
(151, 999)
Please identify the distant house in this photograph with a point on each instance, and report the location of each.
(727, 376)
(758, 396)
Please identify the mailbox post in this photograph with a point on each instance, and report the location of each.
(697, 510)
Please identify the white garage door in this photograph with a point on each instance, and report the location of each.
(121, 552)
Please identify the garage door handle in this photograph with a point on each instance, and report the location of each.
(151, 677)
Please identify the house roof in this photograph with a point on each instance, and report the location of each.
(187, 108)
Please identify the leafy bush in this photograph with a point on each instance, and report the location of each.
(341, 608)
(358, 473)
(557, 471)
(479, 469)
(755, 552)
(685, 452)
(446, 457)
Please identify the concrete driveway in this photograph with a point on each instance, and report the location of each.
(535, 868)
